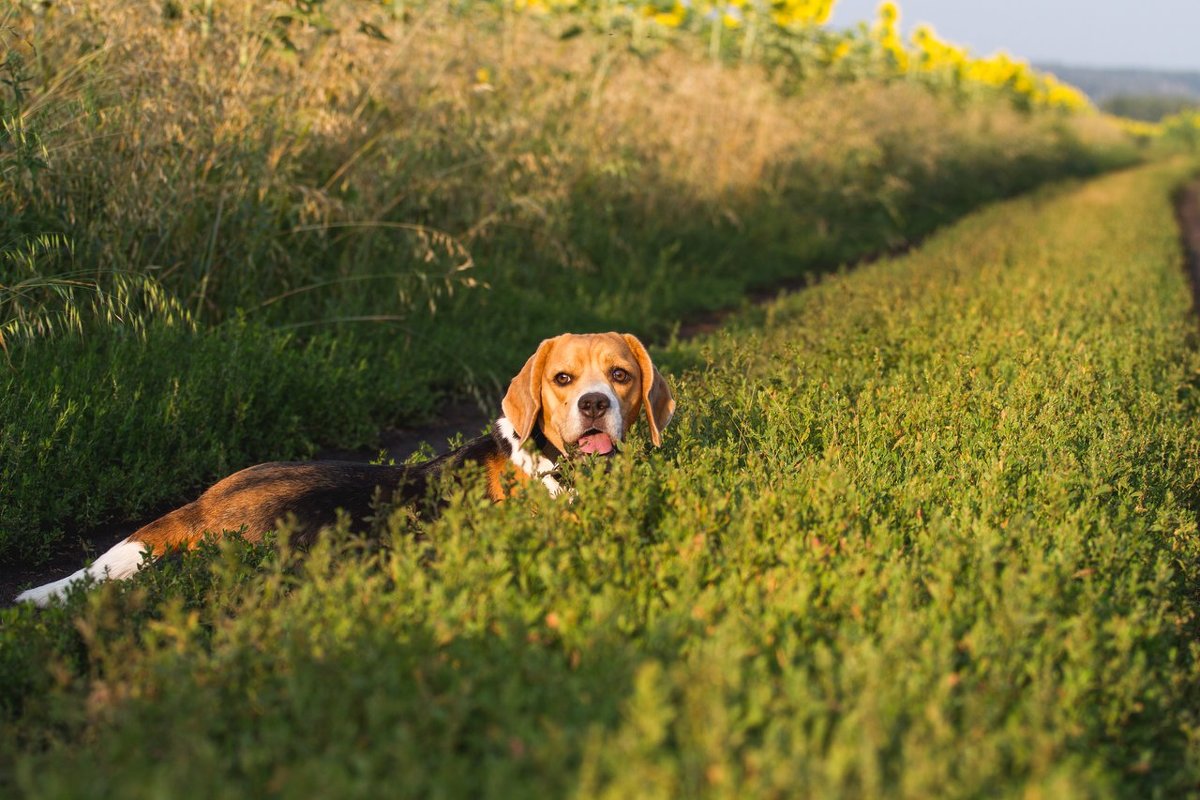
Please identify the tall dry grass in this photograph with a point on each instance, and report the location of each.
(249, 158)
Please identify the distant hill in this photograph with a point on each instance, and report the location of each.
(1144, 94)
(1102, 84)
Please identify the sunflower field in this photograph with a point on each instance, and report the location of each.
(792, 33)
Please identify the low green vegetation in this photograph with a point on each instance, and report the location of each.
(236, 231)
(927, 528)
(1149, 107)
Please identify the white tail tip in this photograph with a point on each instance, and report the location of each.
(122, 560)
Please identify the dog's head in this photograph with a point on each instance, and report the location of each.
(586, 391)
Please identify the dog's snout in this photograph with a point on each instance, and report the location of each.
(593, 405)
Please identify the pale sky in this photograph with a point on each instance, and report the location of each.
(1160, 34)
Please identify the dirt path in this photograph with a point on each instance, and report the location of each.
(1187, 211)
(468, 419)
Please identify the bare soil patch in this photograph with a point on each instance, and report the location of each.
(1187, 210)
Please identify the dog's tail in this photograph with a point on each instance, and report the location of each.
(122, 560)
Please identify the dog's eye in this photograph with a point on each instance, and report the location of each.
(562, 379)
(619, 375)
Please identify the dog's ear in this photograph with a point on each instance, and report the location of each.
(656, 395)
(523, 402)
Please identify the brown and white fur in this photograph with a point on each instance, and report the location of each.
(577, 393)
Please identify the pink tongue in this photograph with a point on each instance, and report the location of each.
(596, 444)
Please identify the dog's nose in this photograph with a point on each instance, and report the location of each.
(594, 404)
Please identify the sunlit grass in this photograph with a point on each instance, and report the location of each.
(926, 529)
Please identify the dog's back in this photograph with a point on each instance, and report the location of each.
(309, 496)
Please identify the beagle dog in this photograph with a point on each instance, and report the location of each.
(578, 395)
